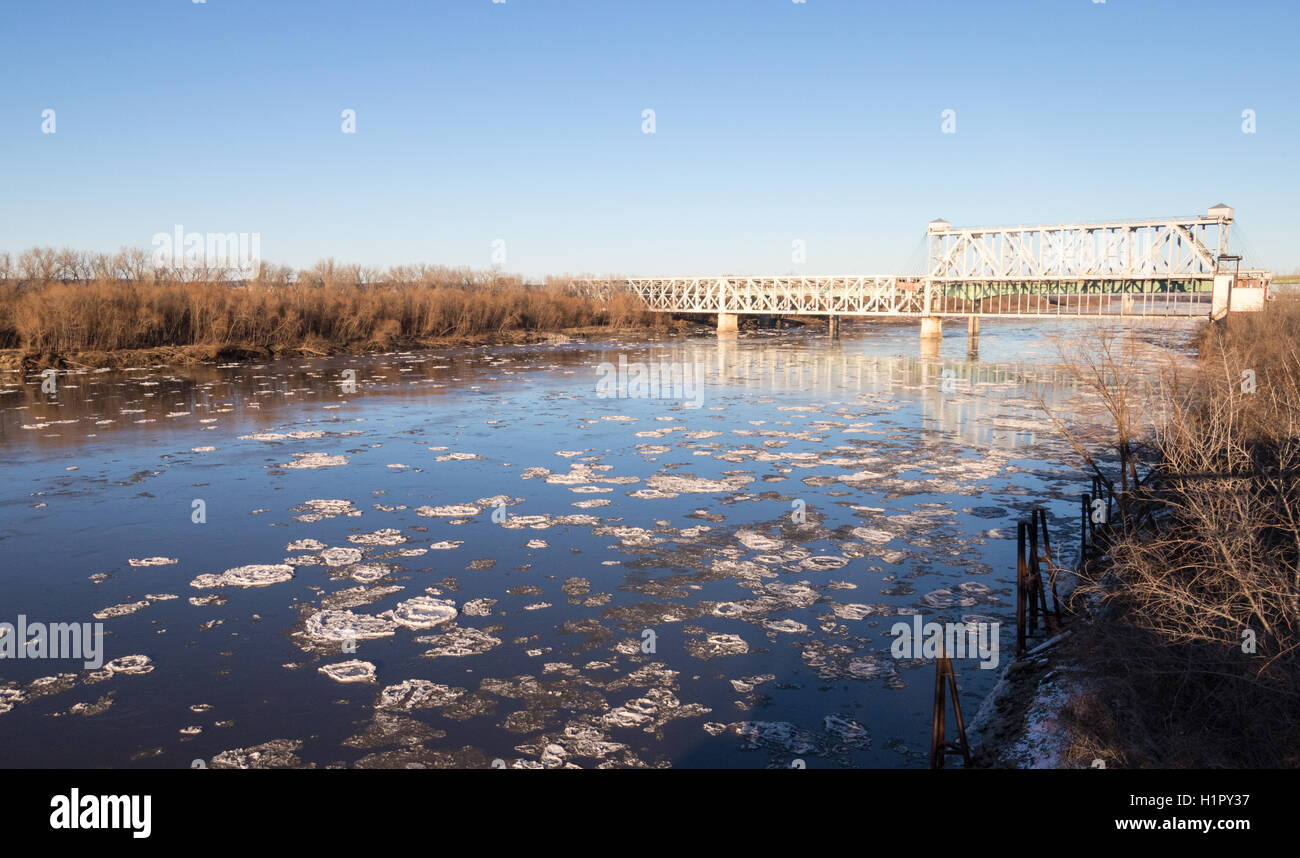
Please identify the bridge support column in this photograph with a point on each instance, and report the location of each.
(972, 337)
(1221, 296)
(931, 335)
(835, 327)
(727, 323)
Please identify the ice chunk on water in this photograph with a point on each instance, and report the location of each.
(275, 754)
(423, 612)
(257, 575)
(311, 461)
(714, 645)
(350, 671)
(130, 664)
(450, 511)
(387, 536)
(339, 626)
(418, 694)
(340, 556)
(120, 610)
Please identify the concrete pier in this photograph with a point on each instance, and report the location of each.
(835, 327)
(727, 323)
(931, 327)
(972, 337)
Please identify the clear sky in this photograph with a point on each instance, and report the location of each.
(775, 121)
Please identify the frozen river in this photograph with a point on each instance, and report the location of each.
(459, 557)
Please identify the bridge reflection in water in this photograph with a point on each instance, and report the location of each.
(983, 403)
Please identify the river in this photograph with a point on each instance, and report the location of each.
(516, 564)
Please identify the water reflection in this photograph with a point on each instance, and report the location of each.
(504, 536)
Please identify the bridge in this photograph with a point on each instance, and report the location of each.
(1145, 268)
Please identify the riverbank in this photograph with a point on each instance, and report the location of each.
(328, 309)
(1024, 721)
(189, 355)
(1185, 630)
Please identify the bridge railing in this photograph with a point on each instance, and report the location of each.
(1092, 299)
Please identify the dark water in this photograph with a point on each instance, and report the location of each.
(677, 515)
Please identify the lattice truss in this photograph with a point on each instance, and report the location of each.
(849, 296)
(1156, 267)
(1152, 250)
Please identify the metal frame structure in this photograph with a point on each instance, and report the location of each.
(916, 296)
(840, 296)
(1176, 250)
(1155, 267)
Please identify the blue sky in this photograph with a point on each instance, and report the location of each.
(522, 121)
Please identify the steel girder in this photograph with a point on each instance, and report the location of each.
(1178, 249)
(847, 296)
(911, 296)
(1091, 269)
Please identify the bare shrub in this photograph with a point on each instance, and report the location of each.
(1195, 631)
(64, 302)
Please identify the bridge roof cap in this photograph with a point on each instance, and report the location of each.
(939, 224)
(1221, 210)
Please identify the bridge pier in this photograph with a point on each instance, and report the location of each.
(728, 323)
(835, 327)
(931, 335)
(972, 337)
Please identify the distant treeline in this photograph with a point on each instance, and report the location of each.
(66, 301)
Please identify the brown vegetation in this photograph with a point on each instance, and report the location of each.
(64, 302)
(1193, 639)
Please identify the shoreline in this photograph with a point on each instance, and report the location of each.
(24, 360)
(190, 355)
(1022, 722)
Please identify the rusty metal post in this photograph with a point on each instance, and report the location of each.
(1033, 578)
(937, 721)
(1083, 529)
(1087, 535)
(945, 679)
(1052, 570)
(1021, 572)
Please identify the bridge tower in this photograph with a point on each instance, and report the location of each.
(932, 323)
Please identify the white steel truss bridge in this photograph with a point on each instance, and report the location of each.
(1156, 267)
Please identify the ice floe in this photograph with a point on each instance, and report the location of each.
(312, 461)
(350, 671)
(423, 612)
(154, 561)
(340, 626)
(256, 575)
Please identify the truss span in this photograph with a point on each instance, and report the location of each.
(847, 296)
(917, 297)
(1156, 267)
